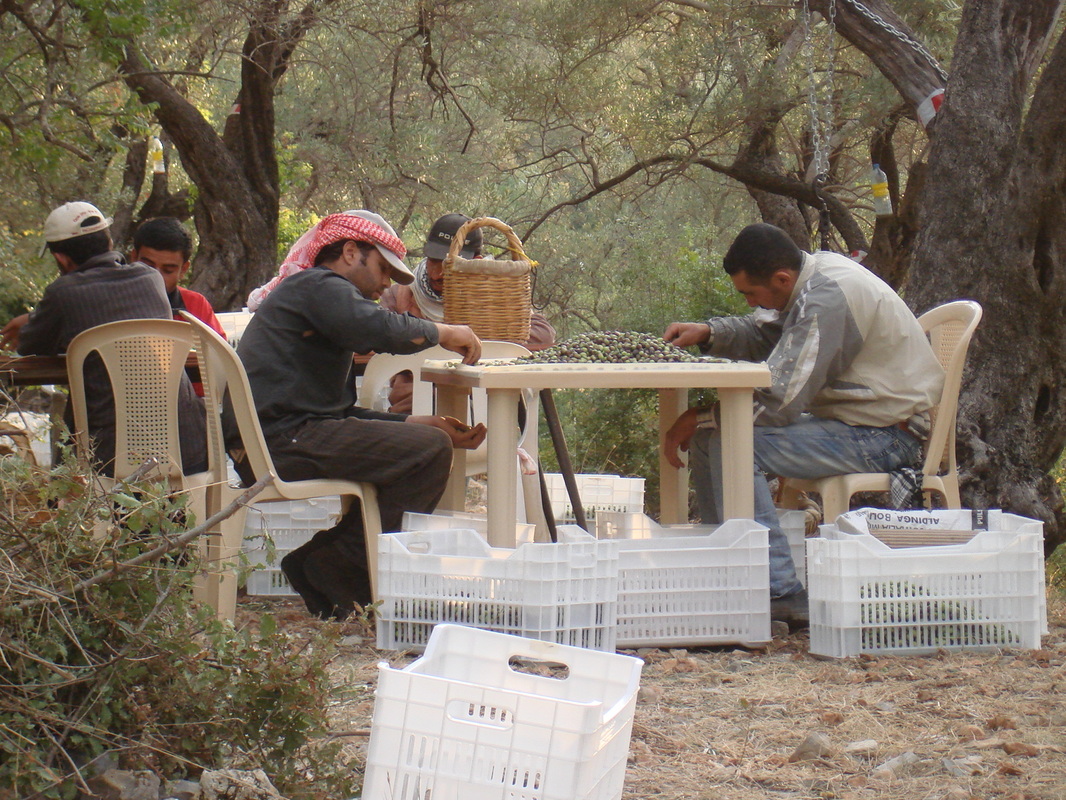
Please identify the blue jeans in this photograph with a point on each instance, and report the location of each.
(808, 448)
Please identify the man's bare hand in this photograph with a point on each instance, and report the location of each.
(460, 339)
(9, 334)
(678, 437)
(462, 435)
(687, 334)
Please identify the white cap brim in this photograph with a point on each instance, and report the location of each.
(400, 271)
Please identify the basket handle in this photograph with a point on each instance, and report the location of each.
(513, 242)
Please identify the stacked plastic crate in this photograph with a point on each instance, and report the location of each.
(272, 530)
(598, 493)
(563, 593)
(920, 581)
(691, 585)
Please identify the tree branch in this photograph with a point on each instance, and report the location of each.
(157, 552)
(875, 28)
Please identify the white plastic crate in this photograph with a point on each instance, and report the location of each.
(443, 520)
(288, 524)
(636, 525)
(234, 323)
(564, 593)
(794, 526)
(692, 585)
(598, 493)
(314, 514)
(868, 597)
(266, 577)
(464, 723)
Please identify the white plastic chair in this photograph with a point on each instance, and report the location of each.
(221, 369)
(145, 360)
(950, 328)
(374, 388)
(382, 366)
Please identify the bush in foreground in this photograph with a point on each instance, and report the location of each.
(96, 660)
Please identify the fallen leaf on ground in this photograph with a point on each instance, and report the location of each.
(1001, 722)
(1007, 768)
(971, 732)
(1020, 749)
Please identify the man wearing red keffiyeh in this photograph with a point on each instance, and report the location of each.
(298, 351)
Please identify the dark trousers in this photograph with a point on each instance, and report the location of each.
(407, 462)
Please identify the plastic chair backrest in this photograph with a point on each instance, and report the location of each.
(950, 328)
(477, 460)
(145, 360)
(374, 388)
(222, 370)
(382, 366)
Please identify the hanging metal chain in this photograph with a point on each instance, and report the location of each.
(821, 114)
(888, 27)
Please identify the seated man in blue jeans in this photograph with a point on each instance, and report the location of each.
(853, 378)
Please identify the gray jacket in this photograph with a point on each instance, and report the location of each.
(846, 347)
(107, 289)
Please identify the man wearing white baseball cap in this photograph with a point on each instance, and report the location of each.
(97, 286)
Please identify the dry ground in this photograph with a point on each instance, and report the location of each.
(722, 723)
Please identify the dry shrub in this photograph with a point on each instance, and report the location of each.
(98, 658)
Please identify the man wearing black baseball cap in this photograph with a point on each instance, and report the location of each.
(97, 286)
(424, 297)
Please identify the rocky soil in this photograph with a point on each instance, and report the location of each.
(732, 724)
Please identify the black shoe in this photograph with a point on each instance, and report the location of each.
(793, 609)
(344, 583)
(292, 565)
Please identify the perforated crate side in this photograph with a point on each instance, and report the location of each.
(267, 577)
(269, 581)
(311, 515)
(560, 593)
(868, 598)
(794, 526)
(695, 589)
(455, 725)
(597, 492)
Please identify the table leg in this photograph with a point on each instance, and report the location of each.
(502, 464)
(737, 453)
(673, 483)
(452, 401)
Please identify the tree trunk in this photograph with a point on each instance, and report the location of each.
(994, 230)
(235, 174)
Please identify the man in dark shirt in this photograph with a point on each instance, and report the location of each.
(97, 286)
(298, 351)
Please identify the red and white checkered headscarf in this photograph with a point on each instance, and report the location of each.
(359, 226)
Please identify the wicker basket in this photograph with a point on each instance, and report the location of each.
(492, 296)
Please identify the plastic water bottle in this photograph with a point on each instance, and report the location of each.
(155, 153)
(879, 185)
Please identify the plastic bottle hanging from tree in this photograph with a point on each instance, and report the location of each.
(879, 185)
(155, 153)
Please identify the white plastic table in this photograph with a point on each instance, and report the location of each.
(504, 383)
